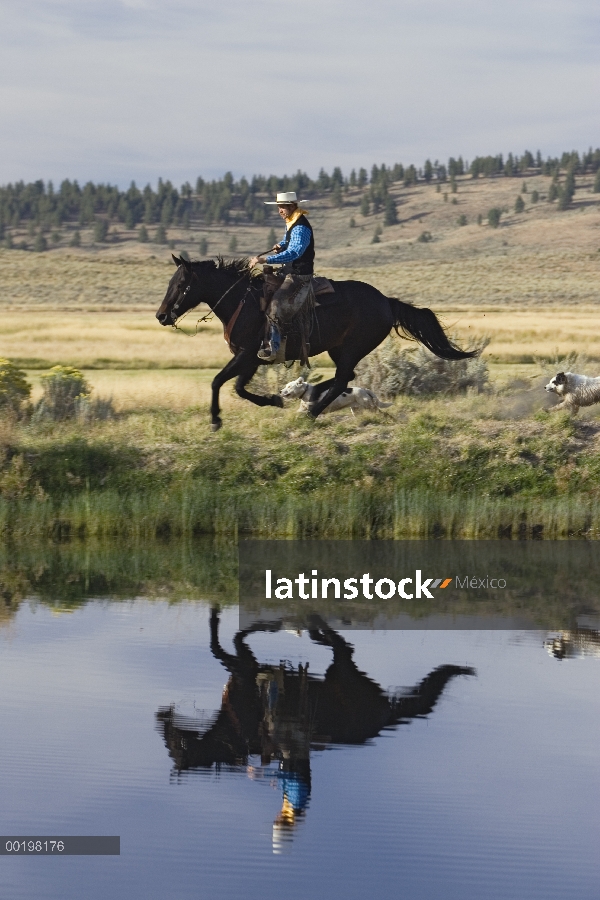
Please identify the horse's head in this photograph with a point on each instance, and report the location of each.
(182, 293)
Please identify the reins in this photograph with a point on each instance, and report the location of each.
(208, 317)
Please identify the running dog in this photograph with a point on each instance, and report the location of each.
(574, 391)
(352, 398)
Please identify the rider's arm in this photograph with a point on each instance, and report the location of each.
(298, 242)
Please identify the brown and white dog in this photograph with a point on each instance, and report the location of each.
(353, 398)
(574, 391)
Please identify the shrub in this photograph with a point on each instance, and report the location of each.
(14, 387)
(75, 240)
(40, 245)
(462, 220)
(203, 247)
(143, 234)
(596, 187)
(233, 244)
(161, 235)
(479, 219)
(519, 204)
(390, 371)
(64, 387)
(425, 237)
(352, 223)
(376, 235)
(67, 396)
(365, 206)
(534, 196)
(553, 191)
(494, 215)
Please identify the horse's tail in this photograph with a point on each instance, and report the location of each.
(423, 326)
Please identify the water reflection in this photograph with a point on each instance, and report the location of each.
(576, 644)
(281, 713)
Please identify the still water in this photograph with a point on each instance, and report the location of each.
(418, 764)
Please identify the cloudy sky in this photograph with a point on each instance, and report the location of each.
(111, 90)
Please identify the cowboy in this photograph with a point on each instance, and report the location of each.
(295, 253)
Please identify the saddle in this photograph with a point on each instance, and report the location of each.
(273, 280)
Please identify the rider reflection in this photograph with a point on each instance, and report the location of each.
(280, 712)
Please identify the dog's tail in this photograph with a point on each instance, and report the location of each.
(423, 325)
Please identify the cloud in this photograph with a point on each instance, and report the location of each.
(123, 89)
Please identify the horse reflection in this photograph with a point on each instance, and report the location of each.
(282, 713)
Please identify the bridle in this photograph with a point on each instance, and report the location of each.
(211, 313)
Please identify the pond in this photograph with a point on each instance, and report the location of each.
(295, 761)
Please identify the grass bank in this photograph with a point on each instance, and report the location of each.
(481, 466)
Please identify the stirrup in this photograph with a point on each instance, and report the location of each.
(267, 353)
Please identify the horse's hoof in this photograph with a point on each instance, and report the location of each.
(214, 426)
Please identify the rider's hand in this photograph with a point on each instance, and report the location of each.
(256, 260)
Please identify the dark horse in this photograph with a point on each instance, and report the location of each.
(355, 320)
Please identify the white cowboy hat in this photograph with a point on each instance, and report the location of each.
(284, 198)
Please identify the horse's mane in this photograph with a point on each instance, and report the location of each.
(239, 266)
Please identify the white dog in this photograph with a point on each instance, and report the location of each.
(354, 398)
(574, 390)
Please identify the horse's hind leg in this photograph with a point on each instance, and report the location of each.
(343, 374)
(258, 399)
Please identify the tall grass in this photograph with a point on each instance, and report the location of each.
(331, 512)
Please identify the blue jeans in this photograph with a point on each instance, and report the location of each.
(274, 338)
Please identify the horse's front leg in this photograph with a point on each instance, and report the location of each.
(258, 399)
(240, 363)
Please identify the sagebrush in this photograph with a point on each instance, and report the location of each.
(391, 371)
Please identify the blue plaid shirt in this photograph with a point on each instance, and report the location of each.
(292, 249)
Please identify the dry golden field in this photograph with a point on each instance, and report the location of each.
(532, 285)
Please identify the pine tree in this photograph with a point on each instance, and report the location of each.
(75, 240)
(566, 193)
(428, 171)
(233, 244)
(365, 206)
(534, 196)
(519, 204)
(203, 247)
(391, 212)
(161, 235)
(597, 183)
(143, 234)
(100, 231)
(41, 244)
(494, 216)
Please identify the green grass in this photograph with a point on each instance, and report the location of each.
(430, 468)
